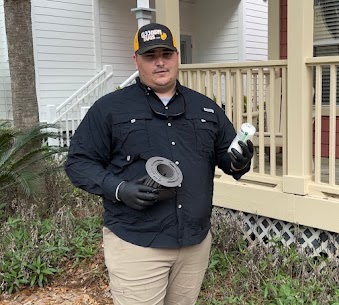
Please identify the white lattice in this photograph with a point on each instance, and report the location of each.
(270, 231)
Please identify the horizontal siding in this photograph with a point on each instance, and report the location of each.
(258, 6)
(257, 14)
(256, 35)
(49, 27)
(62, 72)
(256, 29)
(254, 45)
(73, 65)
(46, 86)
(5, 85)
(56, 80)
(70, 6)
(213, 58)
(70, 50)
(61, 42)
(231, 39)
(218, 51)
(65, 58)
(114, 50)
(109, 37)
(63, 2)
(111, 16)
(74, 37)
(55, 94)
(117, 29)
(64, 48)
(84, 24)
(5, 80)
(253, 19)
(217, 39)
(56, 13)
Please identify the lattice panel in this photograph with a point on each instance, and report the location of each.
(270, 231)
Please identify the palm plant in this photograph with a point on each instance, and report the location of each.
(23, 156)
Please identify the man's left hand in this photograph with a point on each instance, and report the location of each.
(240, 161)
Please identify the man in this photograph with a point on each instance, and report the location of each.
(156, 249)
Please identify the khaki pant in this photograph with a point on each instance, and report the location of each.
(151, 276)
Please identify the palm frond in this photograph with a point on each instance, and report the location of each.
(29, 158)
(23, 156)
(27, 182)
(36, 134)
(7, 134)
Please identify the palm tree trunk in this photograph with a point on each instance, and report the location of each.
(18, 23)
(21, 62)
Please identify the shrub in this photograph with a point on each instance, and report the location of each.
(32, 249)
(260, 274)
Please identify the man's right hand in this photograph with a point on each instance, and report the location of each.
(136, 195)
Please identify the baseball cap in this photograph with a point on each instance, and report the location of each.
(153, 35)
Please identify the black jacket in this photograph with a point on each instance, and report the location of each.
(124, 129)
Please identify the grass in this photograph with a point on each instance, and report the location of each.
(36, 247)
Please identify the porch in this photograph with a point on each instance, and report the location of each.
(257, 92)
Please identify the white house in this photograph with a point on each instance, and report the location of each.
(75, 39)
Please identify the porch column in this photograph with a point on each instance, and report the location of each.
(167, 12)
(274, 29)
(143, 12)
(299, 97)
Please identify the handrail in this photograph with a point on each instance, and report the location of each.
(63, 104)
(79, 100)
(245, 65)
(69, 101)
(129, 80)
(322, 60)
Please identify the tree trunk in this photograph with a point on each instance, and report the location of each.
(18, 23)
(21, 62)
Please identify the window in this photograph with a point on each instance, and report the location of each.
(326, 39)
(326, 22)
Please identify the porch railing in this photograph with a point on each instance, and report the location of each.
(253, 92)
(325, 124)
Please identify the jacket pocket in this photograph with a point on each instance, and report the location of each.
(133, 129)
(206, 129)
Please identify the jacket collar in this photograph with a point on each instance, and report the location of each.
(179, 87)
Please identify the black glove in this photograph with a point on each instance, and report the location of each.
(239, 160)
(136, 195)
(166, 193)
